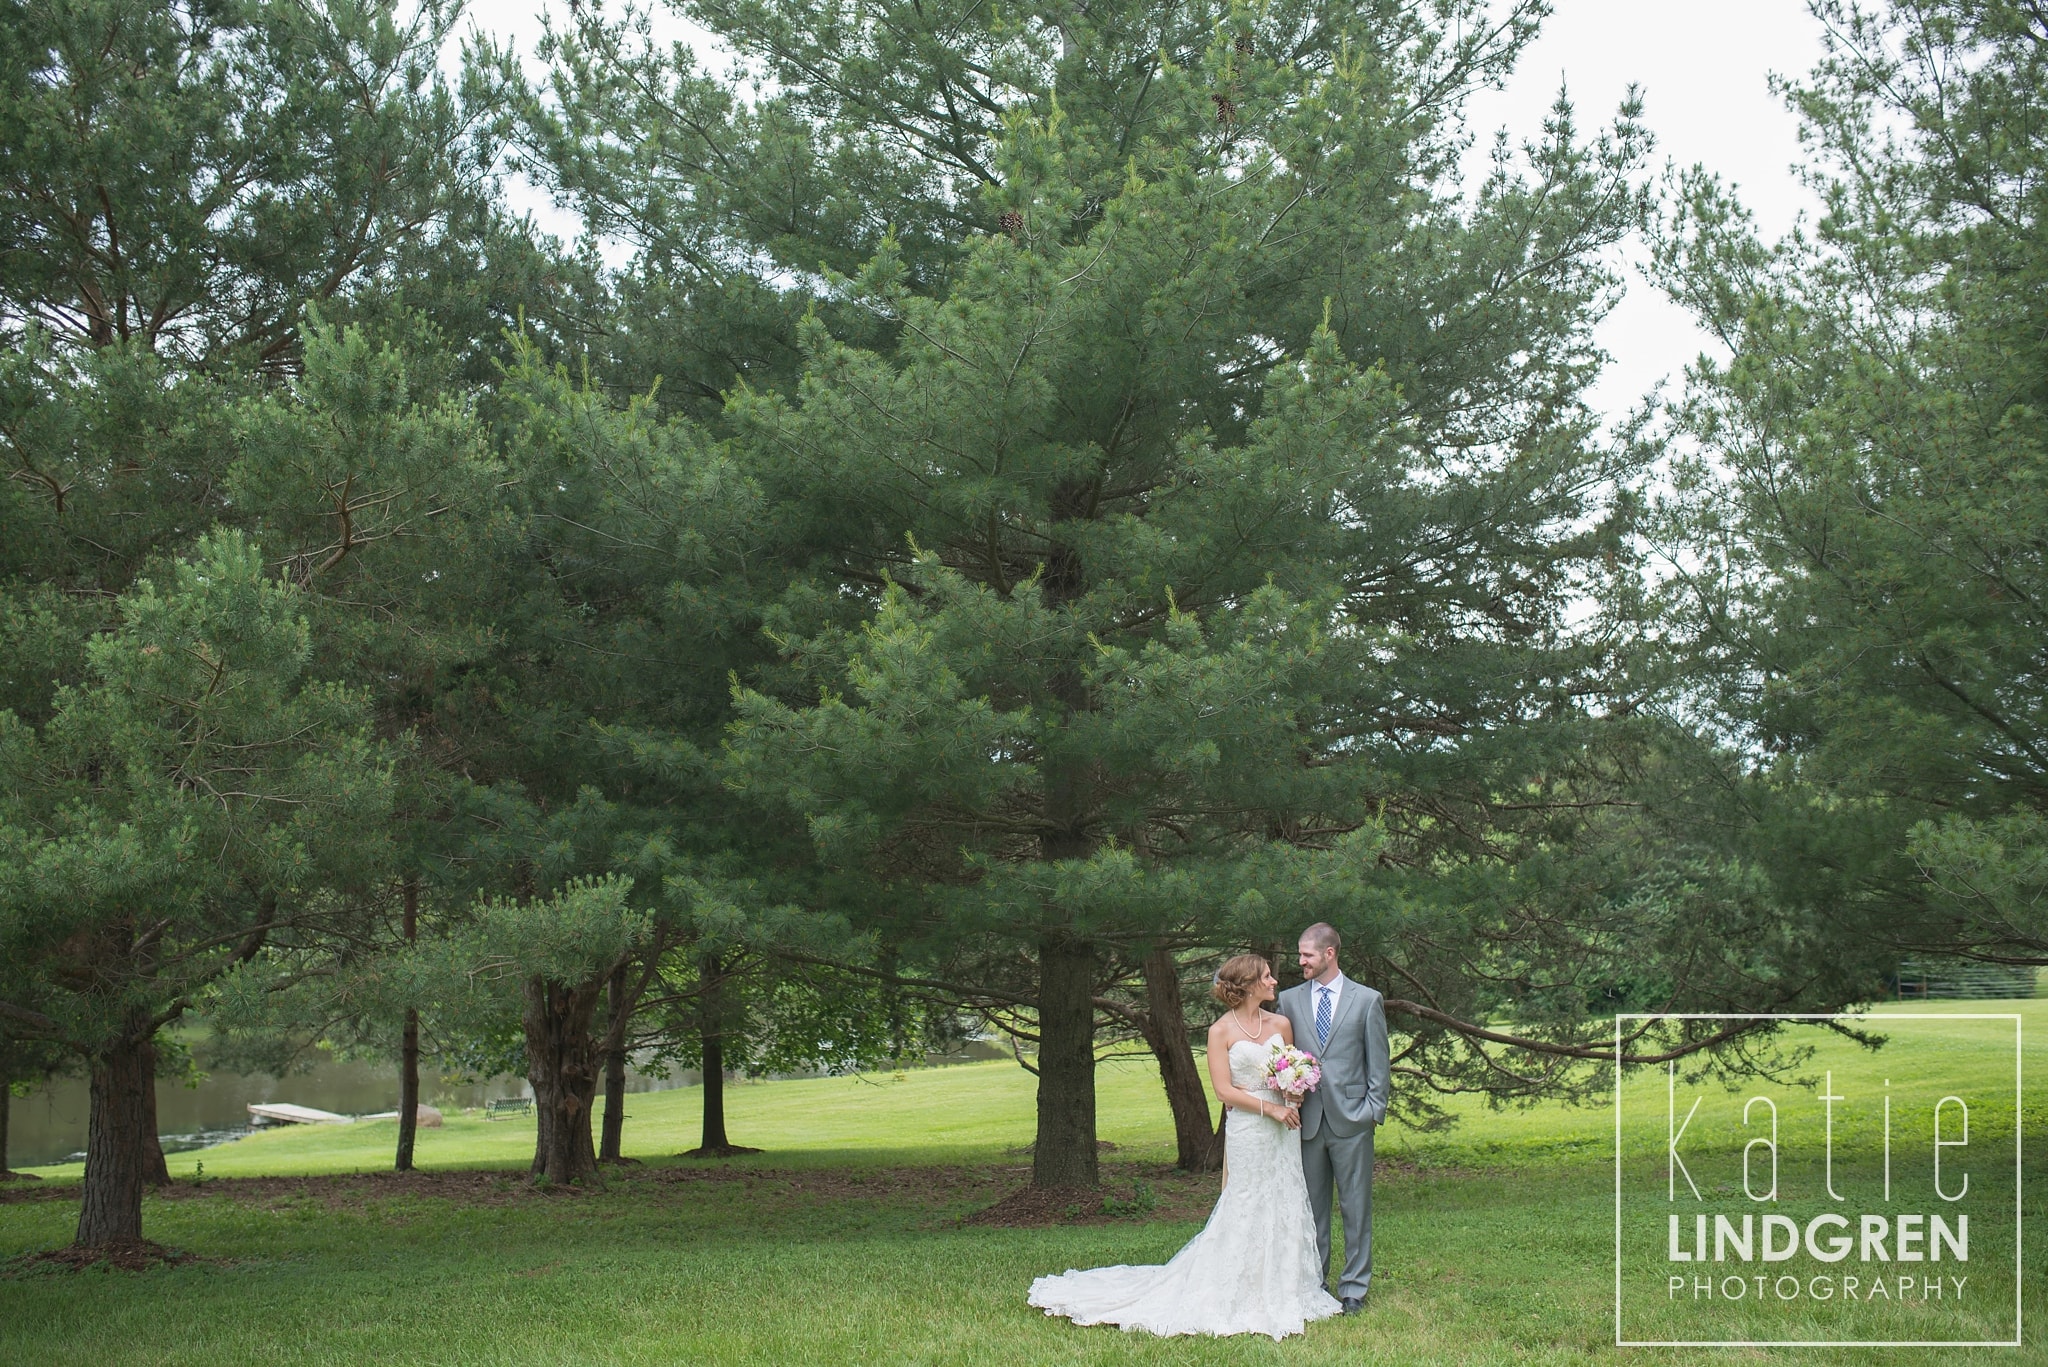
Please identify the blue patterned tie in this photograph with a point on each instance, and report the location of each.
(1322, 1015)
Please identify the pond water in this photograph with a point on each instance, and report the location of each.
(48, 1125)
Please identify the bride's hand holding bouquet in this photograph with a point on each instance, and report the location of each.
(1292, 1072)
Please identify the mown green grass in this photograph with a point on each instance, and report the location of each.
(1495, 1241)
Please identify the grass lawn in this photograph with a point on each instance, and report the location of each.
(851, 1240)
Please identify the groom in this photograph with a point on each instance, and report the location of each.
(1345, 1026)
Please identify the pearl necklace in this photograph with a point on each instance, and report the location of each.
(1238, 1021)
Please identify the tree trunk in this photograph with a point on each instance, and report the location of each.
(608, 1149)
(6, 1104)
(714, 1140)
(409, 1046)
(711, 1030)
(408, 1091)
(1199, 1145)
(1285, 963)
(116, 1144)
(1064, 1155)
(155, 1170)
(561, 1063)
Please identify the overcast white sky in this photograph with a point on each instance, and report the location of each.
(1704, 72)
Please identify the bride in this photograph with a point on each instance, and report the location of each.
(1252, 1269)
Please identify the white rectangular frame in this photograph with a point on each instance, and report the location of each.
(2018, 1179)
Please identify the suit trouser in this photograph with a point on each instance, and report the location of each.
(1344, 1161)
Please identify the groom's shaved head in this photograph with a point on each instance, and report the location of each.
(1322, 935)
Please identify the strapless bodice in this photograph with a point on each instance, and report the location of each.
(1248, 1064)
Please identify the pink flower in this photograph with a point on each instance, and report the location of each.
(1292, 1070)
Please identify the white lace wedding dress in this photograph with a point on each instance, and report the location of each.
(1252, 1269)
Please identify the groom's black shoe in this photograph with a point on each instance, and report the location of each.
(1353, 1304)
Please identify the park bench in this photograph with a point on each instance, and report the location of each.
(511, 1105)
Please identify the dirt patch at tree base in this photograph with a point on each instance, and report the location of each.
(951, 1196)
(1032, 1207)
(483, 1187)
(120, 1255)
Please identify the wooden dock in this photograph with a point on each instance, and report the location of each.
(283, 1112)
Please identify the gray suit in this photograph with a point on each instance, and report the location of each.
(1339, 1117)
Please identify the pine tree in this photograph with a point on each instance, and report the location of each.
(185, 177)
(1194, 482)
(1861, 571)
(196, 798)
(181, 183)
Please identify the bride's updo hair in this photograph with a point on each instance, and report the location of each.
(1237, 978)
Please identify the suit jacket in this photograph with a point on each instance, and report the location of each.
(1357, 1079)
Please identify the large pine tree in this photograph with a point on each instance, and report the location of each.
(1193, 478)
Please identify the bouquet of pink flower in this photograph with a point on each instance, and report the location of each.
(1292, 1072)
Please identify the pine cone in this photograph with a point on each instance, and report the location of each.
(1244, 44)
(1012, 221)
(1226, 108)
